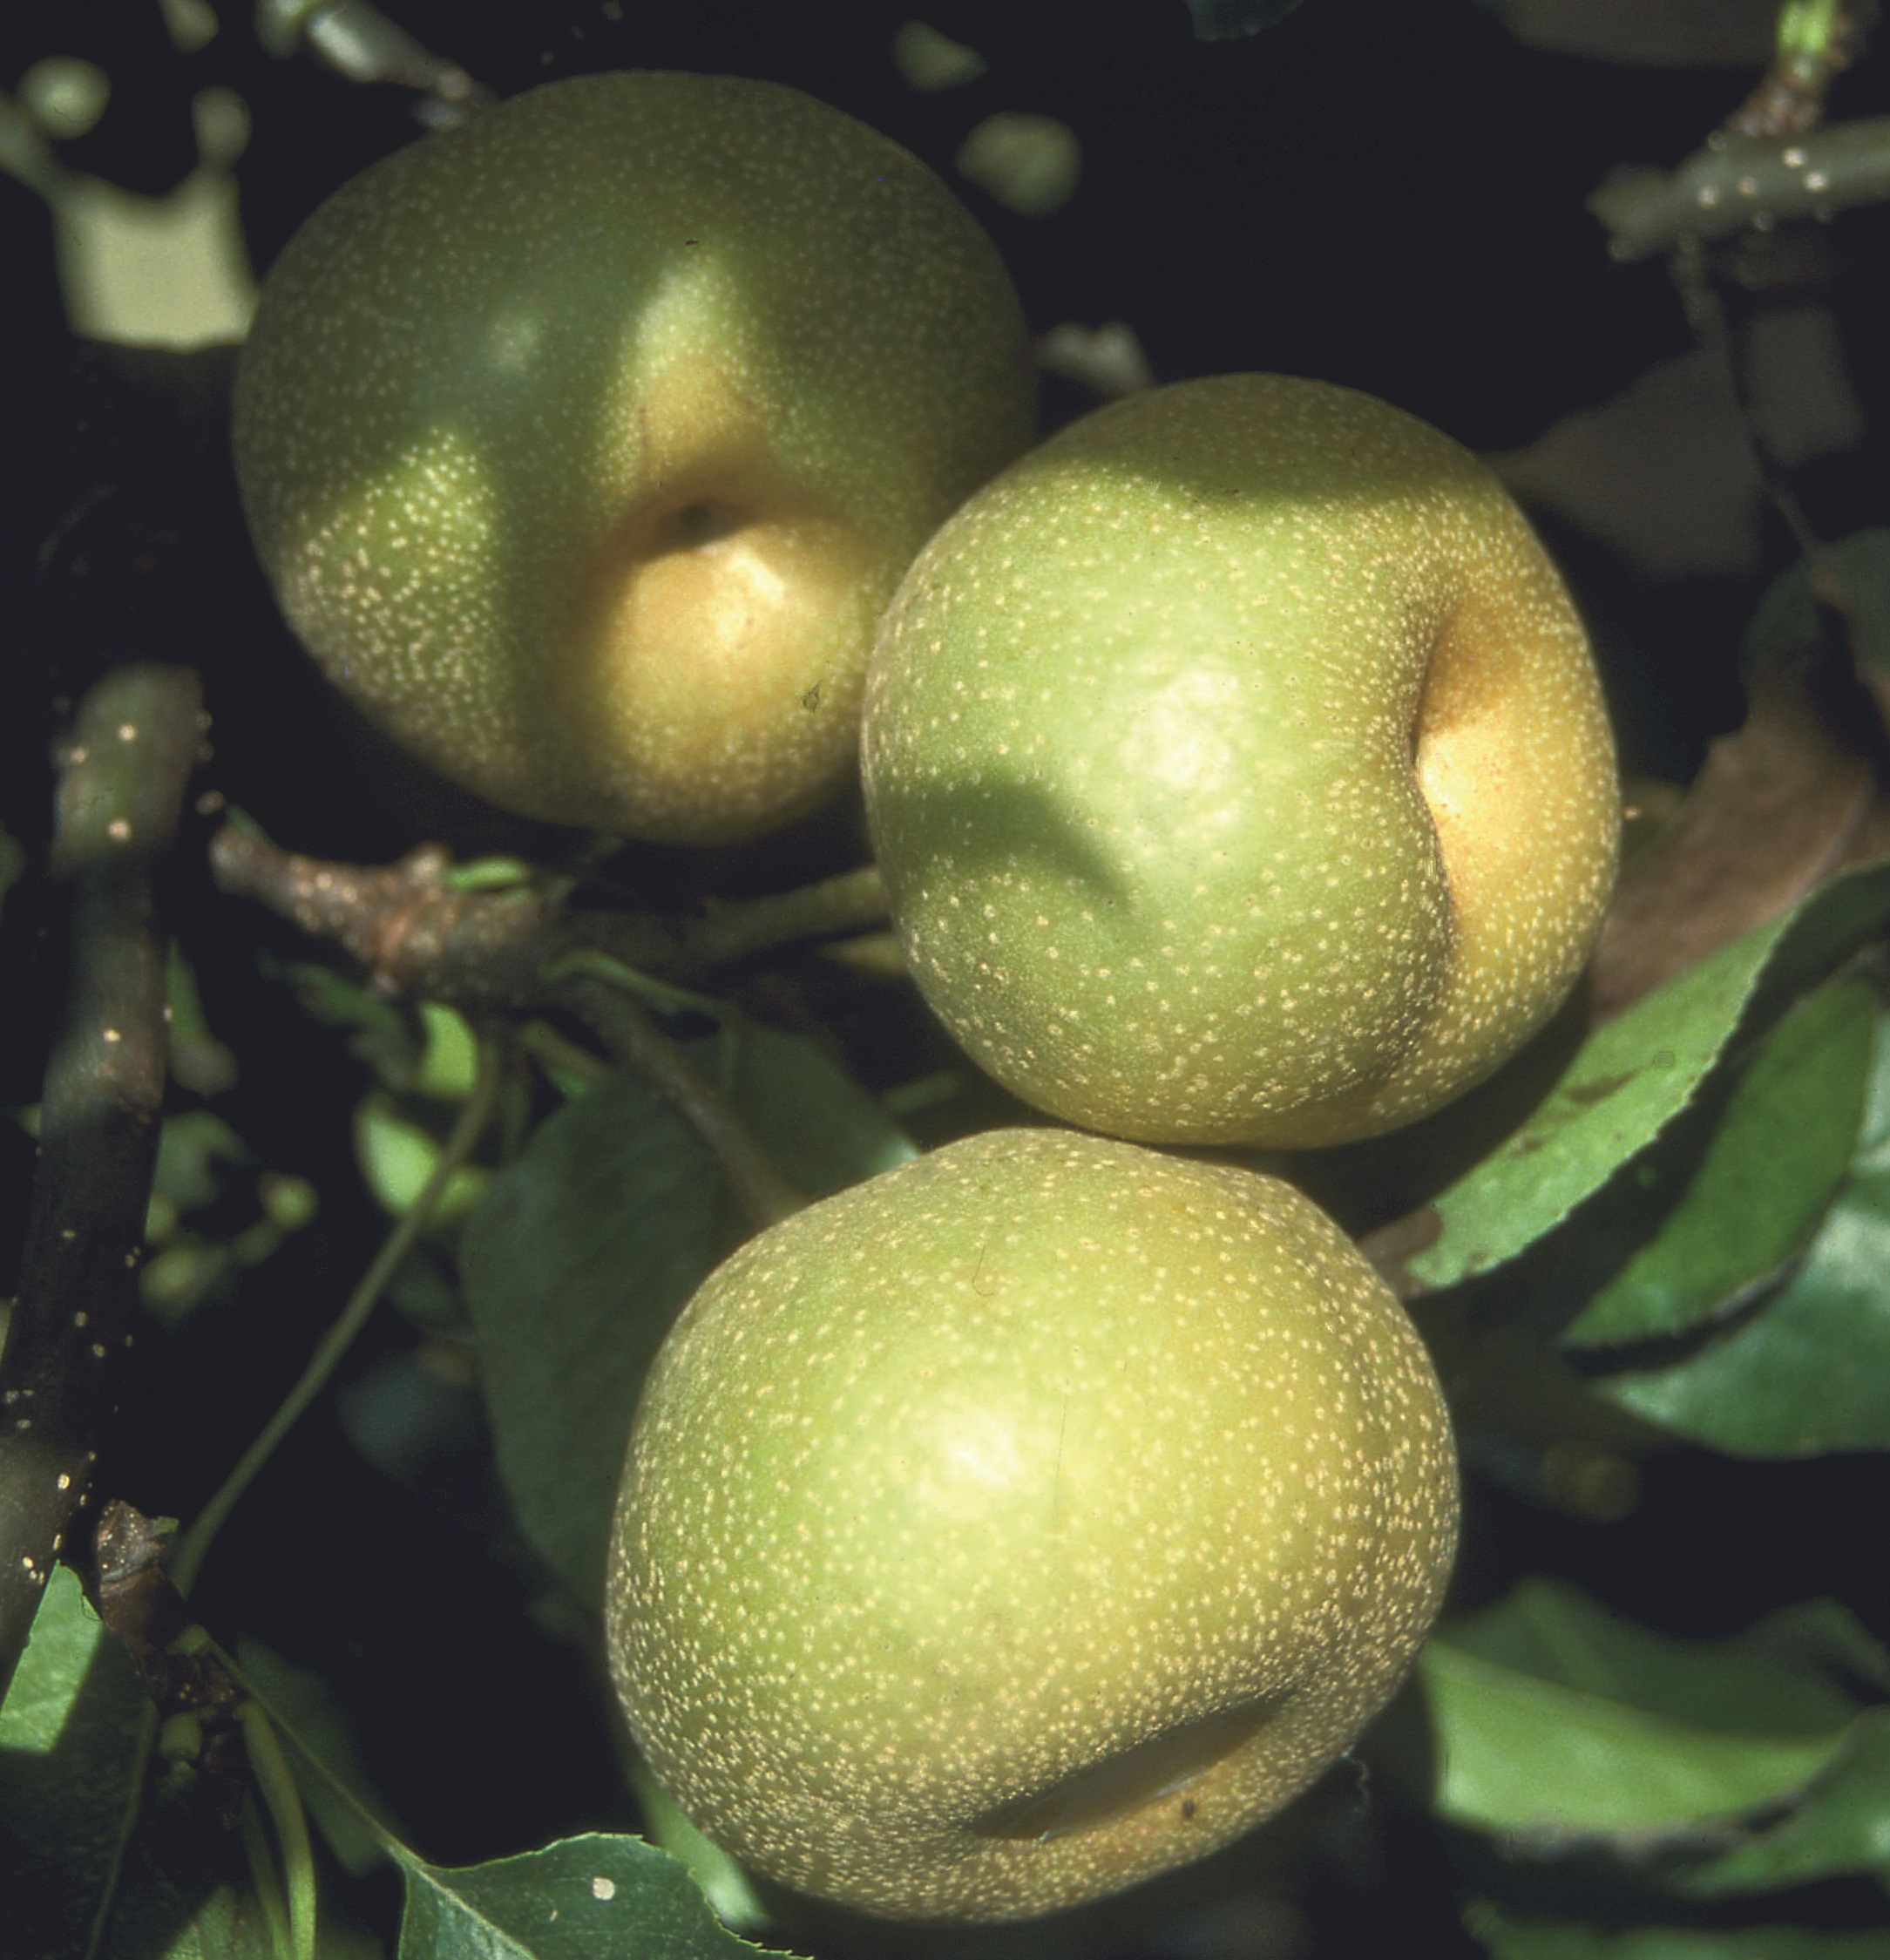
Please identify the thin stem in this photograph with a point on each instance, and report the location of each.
(627, 1031)
(848, 902)
(471, 1124)
(262, 1875)
(385, 1838)
(285, 1813)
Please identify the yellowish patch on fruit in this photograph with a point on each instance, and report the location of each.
(1240, 771)
(1023, 1523)
(583, 445)
(731, 604)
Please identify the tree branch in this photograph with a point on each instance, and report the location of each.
(419, 935)
(1740, 183)
(121, 786)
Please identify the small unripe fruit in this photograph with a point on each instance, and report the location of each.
(583, 445)
(1022, 1523)
(1239, 770)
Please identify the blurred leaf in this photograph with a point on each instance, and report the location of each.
(1632, 1076)
(1804, 1371)
(1031, 164)
(1510, 1938)
(199, 1061)
(449, 1059)
(1556, 1722)
(927, 59)
(1776, 1157)
(398, 1156)
(823, 1129)
(229, 1925)
(1842, 1827)
(190, 1146)
(311, 1712)
(575, 1900)
(66, 1631)
(1786, 617)
(587, 1246)
(381, 1038)
(1232, 20)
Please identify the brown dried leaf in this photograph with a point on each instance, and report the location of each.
(1782, 804)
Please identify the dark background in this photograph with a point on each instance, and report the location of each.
(1383, 192)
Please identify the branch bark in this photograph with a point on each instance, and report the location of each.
(121, 787)
(418, 935)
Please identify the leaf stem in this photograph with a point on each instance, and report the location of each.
(395, 1849)
(195, 1547)
(262, 1875)
(285, 1813)
(627, 1030)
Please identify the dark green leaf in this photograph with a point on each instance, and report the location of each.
(576, 1900)
(1231, 20)
(1510, 1938)
(380, 1036)
(585, 1249)
(70, 1742)
(310, 1711)
(1779, 1153)
(1804, 1372)
(1632, 1076)
(1786, 619)
(1555, 1721)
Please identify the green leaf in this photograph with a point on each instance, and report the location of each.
(1779, 1152)
(189, 1146)
(397, 1158)
(586, 1247)
(1555, 1721)
(199, 1061)
(310, 1711)
(1511, 1938)
(70, 1743)
(1842, 1827)
(46, 1682)
(449, 1058)
(575, 1900)
(725, 1884)
(1803, 1373)
(1785, 617)
(1631, 1077)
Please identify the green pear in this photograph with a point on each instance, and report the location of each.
(583, 445)
(1022, 1523)
(1239, 770)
